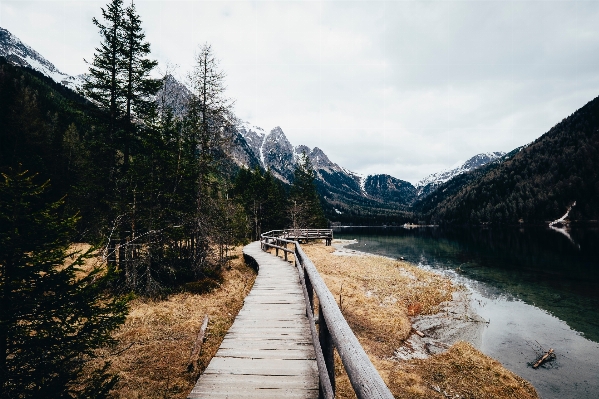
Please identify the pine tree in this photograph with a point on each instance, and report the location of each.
(275, 207)
(105, 82)
(263, 199)
(207, 124)
(120, 82)
(305, 207)
(51, 320)
(104, 85)
(139, 88)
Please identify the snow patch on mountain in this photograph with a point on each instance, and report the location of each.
(362, 179)
(432, 181)
(18, 53)
(254, 136)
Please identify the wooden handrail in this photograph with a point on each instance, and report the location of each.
(333, 328)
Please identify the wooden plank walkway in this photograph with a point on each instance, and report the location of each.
(268, 351)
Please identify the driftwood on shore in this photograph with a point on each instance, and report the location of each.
(197, 347)
(549, 355)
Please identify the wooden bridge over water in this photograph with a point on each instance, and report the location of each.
(277, 347)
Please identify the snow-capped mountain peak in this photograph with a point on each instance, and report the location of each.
(432, 181)
(18, 53)
(254, 137)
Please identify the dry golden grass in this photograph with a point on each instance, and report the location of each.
(155, 343)
(377, 296)
(461, 372)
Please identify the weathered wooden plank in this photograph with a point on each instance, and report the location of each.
(258, 393)
(269, 321)
(283, 336)
(271, 313)
(264, 344)
(285, 293)
(251, 382)
(275, 353)
(273, 299)
(262, 331)
(246, 366)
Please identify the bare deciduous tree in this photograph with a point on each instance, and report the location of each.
(208, 122)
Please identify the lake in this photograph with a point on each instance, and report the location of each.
(538, 287)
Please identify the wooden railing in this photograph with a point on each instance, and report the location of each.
(300, 235)
(333, 330)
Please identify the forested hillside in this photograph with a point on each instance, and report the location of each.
(151, 180)
(535, 183)
(52, 131)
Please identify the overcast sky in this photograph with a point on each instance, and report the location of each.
(405, 88)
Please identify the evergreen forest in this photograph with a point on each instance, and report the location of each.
(153, 190)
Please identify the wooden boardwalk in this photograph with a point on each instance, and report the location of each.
(268, 351)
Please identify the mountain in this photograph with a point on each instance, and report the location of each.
(390, 189)
(430, 183)
(277, 155)
(48, 129)
(18, 53)
(532, 184)
(345, 195)
(488, 187)
(173, 95)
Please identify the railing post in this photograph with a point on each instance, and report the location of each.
(309, 289)
(277, 244)
(326, 343)
(285, 243)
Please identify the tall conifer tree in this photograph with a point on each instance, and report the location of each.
(305, 207)
(139, 88)
(104, 84)
(120, 81)
(51, 319)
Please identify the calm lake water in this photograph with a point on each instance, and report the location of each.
(538, 287)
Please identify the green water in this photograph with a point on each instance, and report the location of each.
(537, 286)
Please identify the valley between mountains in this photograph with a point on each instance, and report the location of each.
(531, 184)
(127, 195)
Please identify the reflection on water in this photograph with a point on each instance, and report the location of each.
(536, 265)
(534, 284)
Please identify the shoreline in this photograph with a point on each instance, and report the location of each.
(518, 330)
(456, 320)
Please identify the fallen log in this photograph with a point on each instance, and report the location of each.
(550, 354)
(197, 347)
(419, 333)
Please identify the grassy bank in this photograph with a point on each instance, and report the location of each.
(155, 343)
(378, 296)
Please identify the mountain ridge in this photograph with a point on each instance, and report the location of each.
(535, 183)
(19, 53)
(341, 189)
